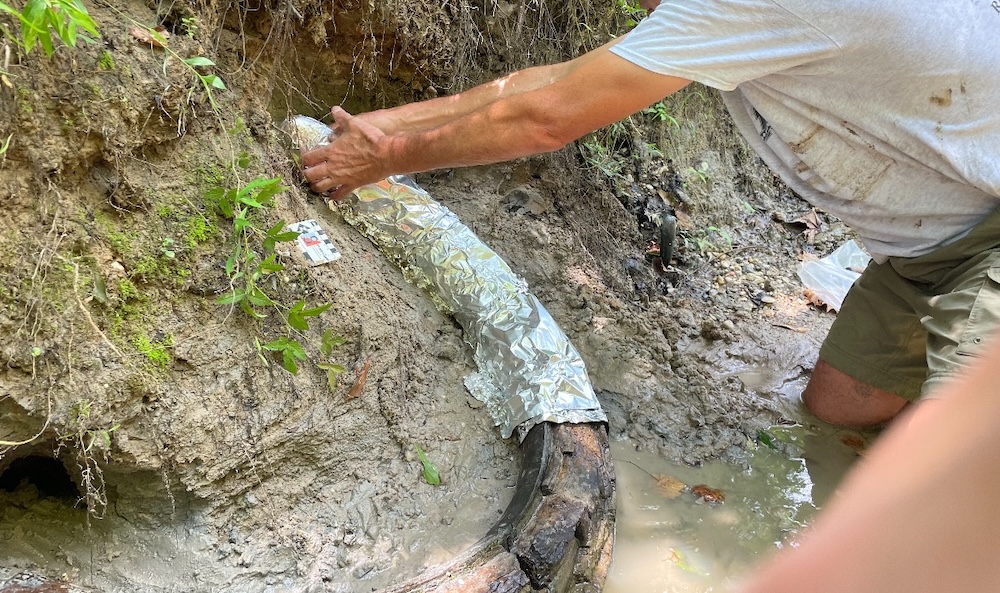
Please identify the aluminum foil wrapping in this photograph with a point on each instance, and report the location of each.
(528, 370)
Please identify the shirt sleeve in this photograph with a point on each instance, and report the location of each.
(722, 43)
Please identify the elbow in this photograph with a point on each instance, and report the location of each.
(551, 136)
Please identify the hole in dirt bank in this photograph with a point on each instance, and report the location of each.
(48, 475)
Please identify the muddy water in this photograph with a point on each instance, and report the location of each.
(683, 545)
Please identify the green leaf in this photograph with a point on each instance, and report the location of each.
(100, 288)
(231, 263)
(240, 223)
(431, 475)
(258, 183)
(765, 437)
(288, 361)
(298, 322)
(316, 310)
(257, 297)
(199, 61)
(250, 202)
(214, 82)
(231, 298)
(245, 306)
(333, 371)
(276, 345)
(270, 265)
(329, 342)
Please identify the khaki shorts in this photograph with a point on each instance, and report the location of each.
(910, 323)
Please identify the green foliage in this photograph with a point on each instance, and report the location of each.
(333, 371)
(248, 266)
(600, 157)
(431, 475)
(198, 230)
(631, 10)
(4, 146)
(40, 17)
(713, 240)
(208, 81)
(291, 350)
(702, 173)
(106, 61)
(659, 111)
(156, 352)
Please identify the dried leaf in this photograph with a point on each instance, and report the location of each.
(359, 383)
(669, 486)
(155, 37)
(800, 330)
(684, 220)
(855, 442)
(812, 223)
(708, 494)
(813, 299)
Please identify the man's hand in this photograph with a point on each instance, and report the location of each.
(355, 157)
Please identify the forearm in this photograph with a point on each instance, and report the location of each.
(500, 131)
(426, 115)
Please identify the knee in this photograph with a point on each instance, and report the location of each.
(837, 398)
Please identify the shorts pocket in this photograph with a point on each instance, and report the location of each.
(984, 318)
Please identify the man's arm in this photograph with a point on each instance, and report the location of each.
(553, 107)
(424, 115)
(920, 513)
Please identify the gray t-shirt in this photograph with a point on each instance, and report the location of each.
(882, 112)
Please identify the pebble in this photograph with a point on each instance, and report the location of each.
(729, 325)
(767, 299)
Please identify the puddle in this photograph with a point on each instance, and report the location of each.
(676, 545)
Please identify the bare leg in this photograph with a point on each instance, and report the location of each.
(838, 398)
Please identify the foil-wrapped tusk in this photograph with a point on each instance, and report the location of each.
(529, 372)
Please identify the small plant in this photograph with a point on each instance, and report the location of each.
(157, 37)
(156, 352)
(167, 248)
(632, 11)
(702, 173)
(659, 111)
(333, 370)
(713, 240)
(65, 17)
(106, 61)
(4, 147)
(208, 81)
(601, 158)
(247, 268)
(190, 25)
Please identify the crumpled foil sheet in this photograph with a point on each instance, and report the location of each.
(528, 371)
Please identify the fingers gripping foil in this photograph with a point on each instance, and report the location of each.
(529, 372)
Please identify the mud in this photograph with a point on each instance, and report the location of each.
(199, 462)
